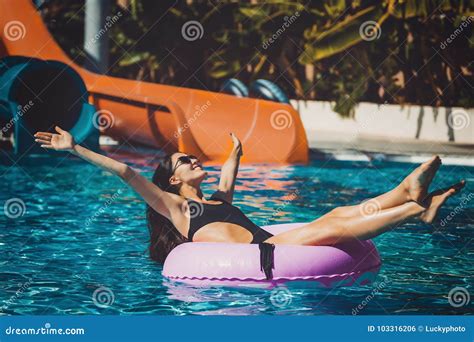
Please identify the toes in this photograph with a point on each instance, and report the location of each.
(451, 192)
(459, 186)
(434, 162)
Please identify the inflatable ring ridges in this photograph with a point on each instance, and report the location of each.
(205, 263)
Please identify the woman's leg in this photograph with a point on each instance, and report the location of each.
(413, 188)
(329, 230)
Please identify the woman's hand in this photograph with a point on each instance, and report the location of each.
(63, 141)
(229, 172)
(161, 201)
(237, 144)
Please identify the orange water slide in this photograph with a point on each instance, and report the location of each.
(167, 117)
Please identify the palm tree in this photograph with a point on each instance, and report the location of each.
(343, 51)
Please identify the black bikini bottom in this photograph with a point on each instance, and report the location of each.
(267, 259)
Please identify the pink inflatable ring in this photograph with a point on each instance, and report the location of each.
(207, 263)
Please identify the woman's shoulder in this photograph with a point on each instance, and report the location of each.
(215, 197)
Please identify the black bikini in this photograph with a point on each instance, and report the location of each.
(203, 214)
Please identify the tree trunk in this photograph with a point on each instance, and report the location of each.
(96, 35)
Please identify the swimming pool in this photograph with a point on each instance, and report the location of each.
(80, 246)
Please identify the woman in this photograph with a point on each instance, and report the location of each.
(178, 212)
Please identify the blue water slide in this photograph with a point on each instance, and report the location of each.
(268, 90)
(235, 87)
(37, 95)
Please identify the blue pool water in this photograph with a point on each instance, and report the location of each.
(80, 246)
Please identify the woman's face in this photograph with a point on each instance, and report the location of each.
(187, 168)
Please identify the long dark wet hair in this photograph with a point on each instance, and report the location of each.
(163, 234)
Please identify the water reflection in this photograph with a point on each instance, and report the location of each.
(68, 260)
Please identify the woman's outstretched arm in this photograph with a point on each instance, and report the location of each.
(229, 172)
(161, 201)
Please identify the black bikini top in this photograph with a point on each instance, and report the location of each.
(202, 214)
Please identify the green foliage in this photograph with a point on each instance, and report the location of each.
(280, 41)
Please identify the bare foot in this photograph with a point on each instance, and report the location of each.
(418, 182)
(436, 199)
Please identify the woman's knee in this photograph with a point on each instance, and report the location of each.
(343, 211)
(321, 232)
(327, 232)
(335, 211)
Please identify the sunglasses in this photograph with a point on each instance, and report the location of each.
(184, 160)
